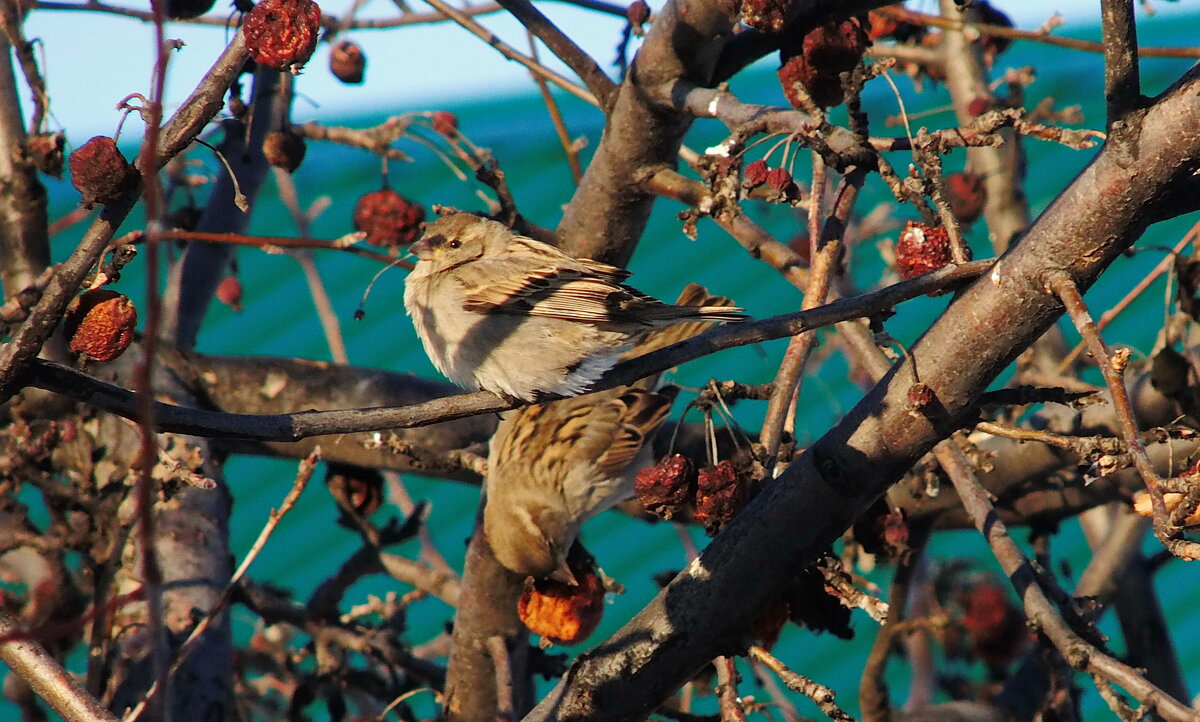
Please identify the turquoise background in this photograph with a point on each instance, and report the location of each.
(278, 320)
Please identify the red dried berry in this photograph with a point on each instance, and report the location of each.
(100, 324)
(388, 218)
(347, 62)
(638, 13)
(881, 26)
(229, 292)
(46, 152)
(444, 122)
(995, 627)
(282, 34)
(720, 495)
(356, 488)
(781, 188)
(967, 194)
(100, 173)
(816, 63)
(769, 16)
(184, 9)
(284, 149)
(562, 613)
(922, 249)
(979, 105)
(667, 485)
(802, 246)
(755, 174)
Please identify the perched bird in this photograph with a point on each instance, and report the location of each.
(553, 466)
(498, 311)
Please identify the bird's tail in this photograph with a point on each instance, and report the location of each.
(695, 309)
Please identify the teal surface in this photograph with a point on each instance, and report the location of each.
(279, 320)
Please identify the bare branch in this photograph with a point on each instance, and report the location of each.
(300, 425)
(1122, 83)
(29, 660)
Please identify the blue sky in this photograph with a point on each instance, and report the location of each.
(92, 60)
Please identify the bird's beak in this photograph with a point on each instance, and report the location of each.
(563, 573)
(423, 249)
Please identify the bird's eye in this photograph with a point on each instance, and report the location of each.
(454, 244)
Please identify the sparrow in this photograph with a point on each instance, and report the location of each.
(498, 311)
(554, 466)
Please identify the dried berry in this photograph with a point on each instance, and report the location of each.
(720, 495)
(814, 65)
(880, 25)
(184, 9)
(967, 194)
(356, 489)
(667, 485)
(638, 13)
(922, 249)
(347, 62)
(802, 245)
(100, 173)
(282, 34)
(46, 152)
(388, 218)
(284, 149)
(995, 627)
(444, 122)
(229, 292)
(100, 324)
(781, 188)
(755, 174)
(979, 105)
(769, 16)
(562, 613)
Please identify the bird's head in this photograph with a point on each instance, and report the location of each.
(457, 239)
(531, 540)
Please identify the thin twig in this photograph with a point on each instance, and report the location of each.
(1001, 31)
(1064, 287)
(1107, 317)
(727, 691)
(822, 696)
(509, 52)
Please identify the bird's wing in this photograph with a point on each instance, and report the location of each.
(574, 290)
(619, 430)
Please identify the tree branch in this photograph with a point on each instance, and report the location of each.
(303, 424)
(1122, 84)
(844, 472)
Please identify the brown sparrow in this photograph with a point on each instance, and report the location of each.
(498, 311)
(554, 466)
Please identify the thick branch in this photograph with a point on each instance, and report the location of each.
(818, 497)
